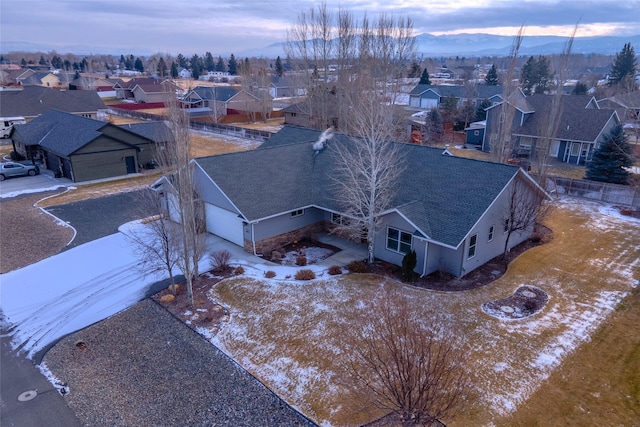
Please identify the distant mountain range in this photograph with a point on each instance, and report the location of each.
(467, 45)
(478, 45)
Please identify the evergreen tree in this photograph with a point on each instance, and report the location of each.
(279, 68)
(138, 65)
(536, 75)
(233, 65)
(182, 61)
(414, 70)
(623, 69)
(491, 78)
(220, 65)
(162, 67)
(409, 262)
(174, 70)
(481, 113)
(42, 61)
(424, 77)
(56, 62)
(23, 63)
(611, 158)
(209, 62)
(196, 66)
(580, 89)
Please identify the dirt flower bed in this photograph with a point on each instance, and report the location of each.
(481, 276)
(525, 301)
(303, 252)
(205, 317)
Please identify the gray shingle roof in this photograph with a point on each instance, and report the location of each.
(577, 123)
(217, 93)
(443, 196)
(59, 132)
(479, 91)
(153, 131)
(35, 100)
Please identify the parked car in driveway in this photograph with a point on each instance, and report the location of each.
(8, 169)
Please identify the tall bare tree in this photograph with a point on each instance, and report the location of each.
(403, 363)
(367, 170)
(183, 203)
(526, 206)
(500, 141)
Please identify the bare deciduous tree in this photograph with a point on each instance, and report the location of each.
(551, 121)
(367, 170)
(183, 205)
(526, 207)
(155, 240)
(500, 143)
(406, 364)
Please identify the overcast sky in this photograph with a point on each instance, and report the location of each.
(227, 26)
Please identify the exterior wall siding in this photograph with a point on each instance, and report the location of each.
(210, 193)
(100, 165)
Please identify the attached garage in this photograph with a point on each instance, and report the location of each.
(225, 224)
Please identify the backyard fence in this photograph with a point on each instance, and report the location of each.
(610, 193)
(218, 128)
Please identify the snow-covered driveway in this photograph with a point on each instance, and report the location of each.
(69, 291)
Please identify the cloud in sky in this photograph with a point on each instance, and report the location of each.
(225, 26)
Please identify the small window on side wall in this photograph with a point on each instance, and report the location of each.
(506, 225)
(296, 213)
(473, 242)
(491, 229)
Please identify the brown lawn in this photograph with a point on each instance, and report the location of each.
(288, 334)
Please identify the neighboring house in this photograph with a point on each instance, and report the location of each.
(286, 87)
(302, 114)
(450, 210)
(214, 76)
(581, 127)
(45, 79)
(218, 101)
(33, 101)
(429, 96)
(84, 149)
(184, 73)
(144, 89)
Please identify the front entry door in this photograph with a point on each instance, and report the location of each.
(131, 164)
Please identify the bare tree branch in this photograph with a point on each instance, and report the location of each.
(399, 362)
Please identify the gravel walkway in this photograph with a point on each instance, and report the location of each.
(143, 367)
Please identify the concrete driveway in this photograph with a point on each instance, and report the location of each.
(18, 185)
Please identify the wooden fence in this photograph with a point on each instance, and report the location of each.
(218, 128)
(610, 193)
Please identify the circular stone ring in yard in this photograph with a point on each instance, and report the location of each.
(525, 301)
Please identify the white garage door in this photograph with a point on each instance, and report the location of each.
(428, 103)
(225, 224)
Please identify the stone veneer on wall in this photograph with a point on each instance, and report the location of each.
(266, 246)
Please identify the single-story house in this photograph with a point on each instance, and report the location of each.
(582, 125)
(83, 149)
(450, 210)
(286, 87)
(145, 89)
(430, 96)
(33, 101)
(218, 101)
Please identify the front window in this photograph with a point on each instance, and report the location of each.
(339, 219)
(296, 213)
(398, 240)
(473, 241)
